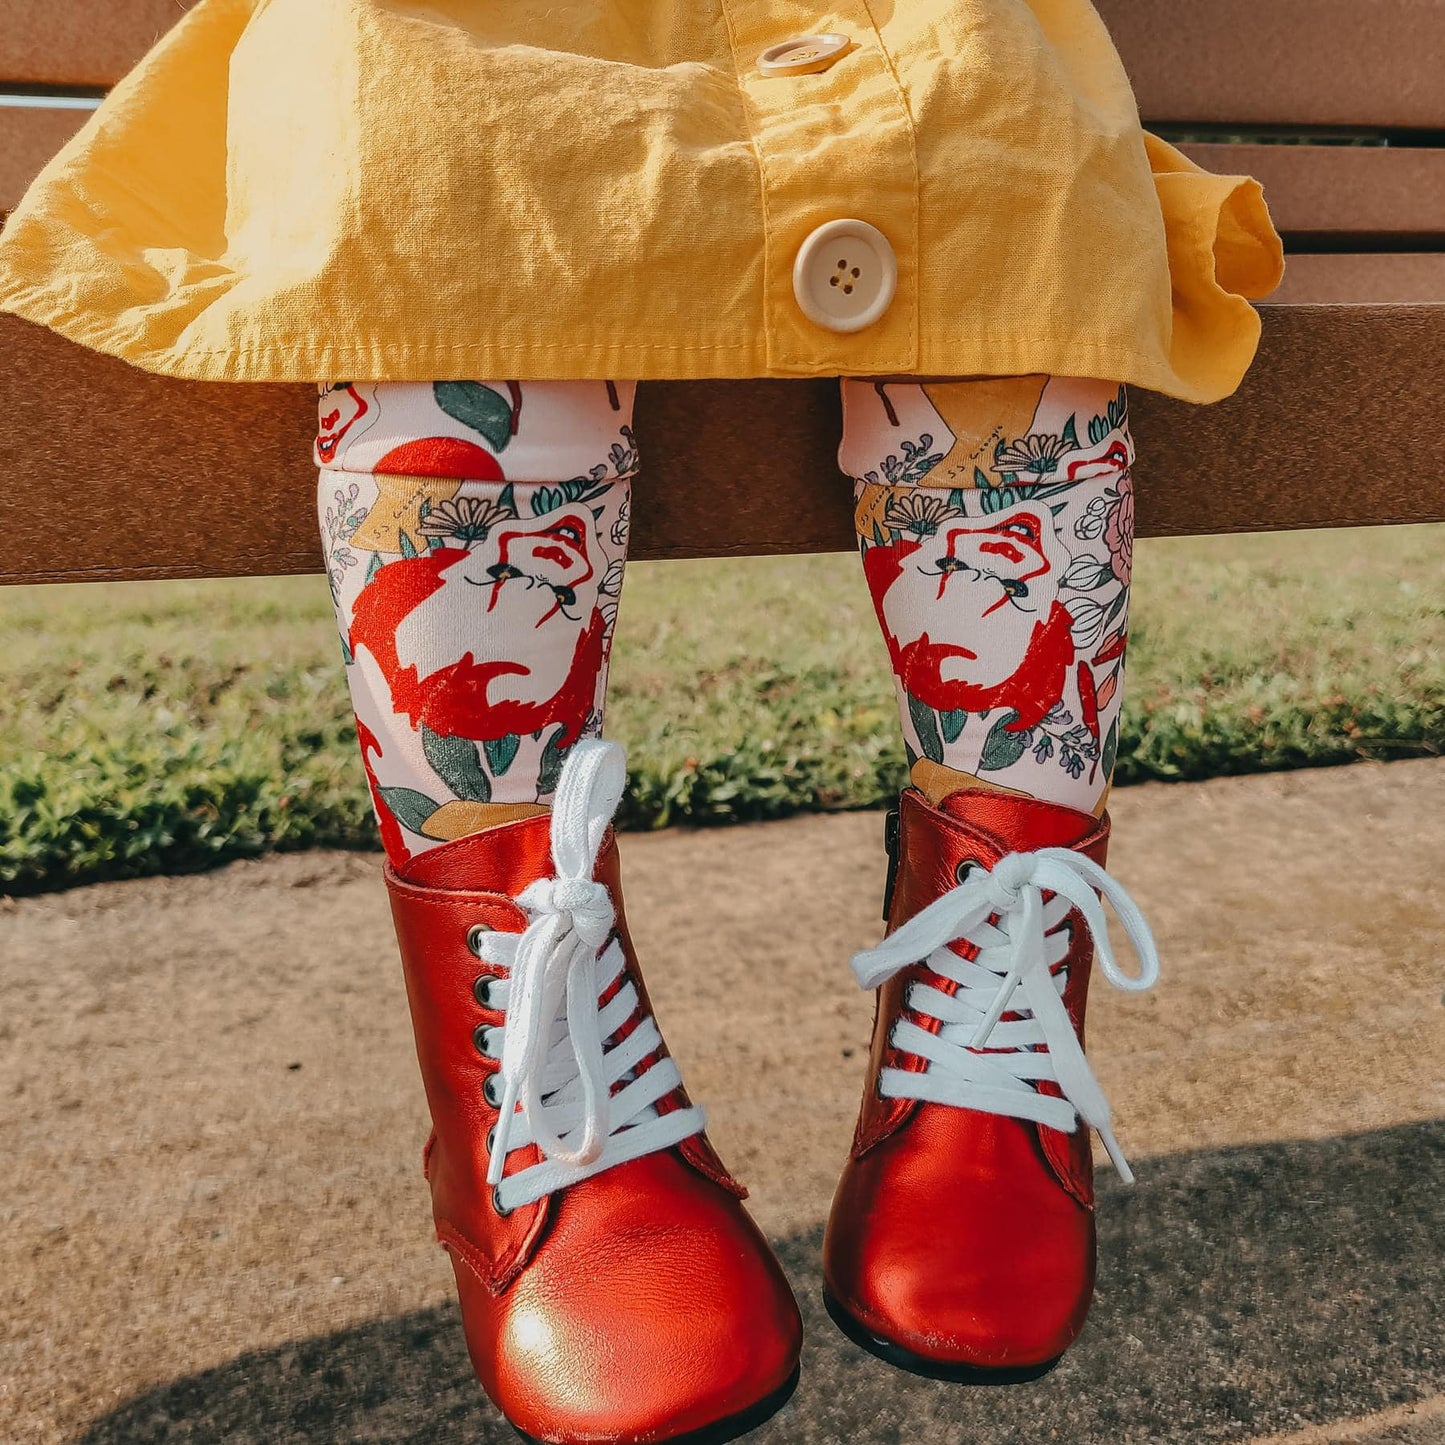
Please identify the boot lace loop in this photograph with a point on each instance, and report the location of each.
(562, 1055)
(1020, 941)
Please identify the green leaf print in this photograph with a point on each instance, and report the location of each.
(501, 752)
(553, 756)
(577, 489)
(478, 407)
(925, 724)
(1002, 749)
(410, 808)
(997, 498)
(951, 724)
(457, 765)
(1098, 429)
(981, 479)
(1070, 433)
(1111, 749)
(408, 547)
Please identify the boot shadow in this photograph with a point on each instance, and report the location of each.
(1242, 1292)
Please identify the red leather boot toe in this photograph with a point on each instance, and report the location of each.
(612, 1286)
(961, 1239)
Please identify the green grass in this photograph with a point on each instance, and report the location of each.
(165, 727)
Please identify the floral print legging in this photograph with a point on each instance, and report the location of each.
(475, 535)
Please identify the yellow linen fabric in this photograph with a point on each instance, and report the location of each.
(379, 190)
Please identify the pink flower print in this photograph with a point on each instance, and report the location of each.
(1119, 530)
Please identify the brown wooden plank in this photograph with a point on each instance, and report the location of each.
(1346, 278)
(28, 138)
(1284, 62)
(1341, 190)
(79, 42)
(1316, 62)
(112, 473)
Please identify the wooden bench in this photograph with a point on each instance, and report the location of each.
(1338, 107)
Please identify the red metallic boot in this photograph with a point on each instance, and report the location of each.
(961, 1239)
(612, 1286)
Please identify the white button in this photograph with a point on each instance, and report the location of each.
(845, 275)
(803, 54)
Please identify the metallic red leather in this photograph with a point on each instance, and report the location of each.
(961, 1244)
(639, 1305)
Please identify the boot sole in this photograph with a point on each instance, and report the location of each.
(721, 1431)
(902, 1359)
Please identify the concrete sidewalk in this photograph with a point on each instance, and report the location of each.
(215, 1228)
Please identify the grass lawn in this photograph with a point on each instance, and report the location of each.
(164, 727)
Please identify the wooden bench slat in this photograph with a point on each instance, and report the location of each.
(1265, 62)
(114, 474)
(1341, 190)
(28, 138)
(80, 43)
(1284, 62)
(1363, 279)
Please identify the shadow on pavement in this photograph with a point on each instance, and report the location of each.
(1242, 1291)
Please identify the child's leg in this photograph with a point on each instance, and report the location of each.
(995, 521)
(475, 535)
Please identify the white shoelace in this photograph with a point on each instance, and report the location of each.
(557, 1068)
(1012, 973)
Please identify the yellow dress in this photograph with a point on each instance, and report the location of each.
(432, 189)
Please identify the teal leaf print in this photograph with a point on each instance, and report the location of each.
(410, 808)
(981, 479)
(457, 765)
(501, 753)
(1098, 429)
(925, 724)
(374, 566)
(997, 498)
(408, 547)
(1070, 433)
(1111, 750)
(951, 724)
(478, 407)
(1002, 748)
(577, 489)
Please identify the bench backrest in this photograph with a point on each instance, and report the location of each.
(1337, 106)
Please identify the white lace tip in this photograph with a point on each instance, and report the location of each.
(495, 1165)
(1116, 1156)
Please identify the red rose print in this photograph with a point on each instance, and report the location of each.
(450, 457)
(392, 838)
(997, 634)
(446, 628)
(342, 407)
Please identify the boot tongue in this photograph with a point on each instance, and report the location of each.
(1016, 824)
(504, 859)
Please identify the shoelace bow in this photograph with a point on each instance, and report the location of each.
(1019, 939)
(557, 1069)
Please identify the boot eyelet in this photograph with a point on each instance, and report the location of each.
(497, 1206)
(481, 1040)
(475, 934)
(482, 990)
(491, 1141)
(966, 867)
(492, 1091)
